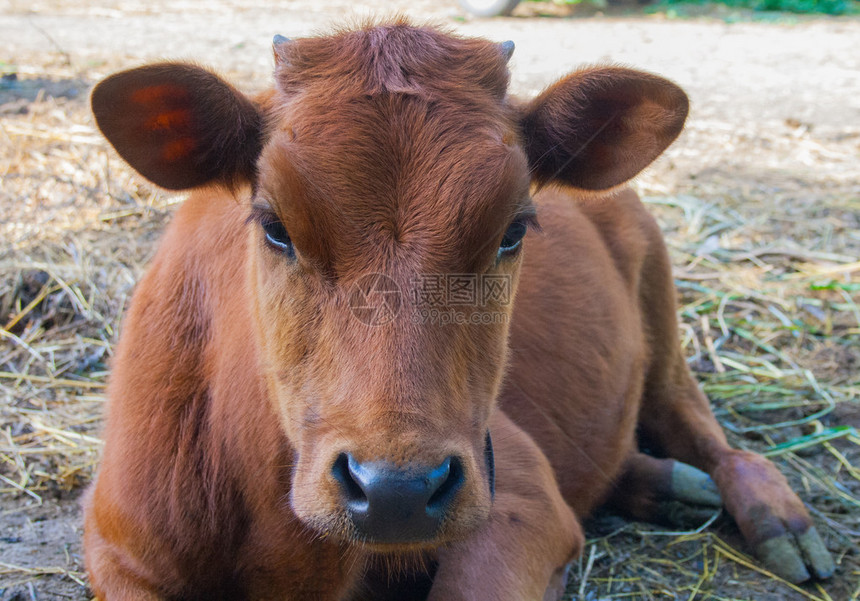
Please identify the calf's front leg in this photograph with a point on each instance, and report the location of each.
(111, 577)
(523, 550)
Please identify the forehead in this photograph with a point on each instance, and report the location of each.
(392, 58)
(400, 136)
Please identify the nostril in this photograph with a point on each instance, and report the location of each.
(342, 471)
(444, 495)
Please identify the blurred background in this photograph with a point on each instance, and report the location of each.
(759, 200)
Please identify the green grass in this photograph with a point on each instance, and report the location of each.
(818, 7)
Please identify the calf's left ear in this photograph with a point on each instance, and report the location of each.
(599, 127)
(180, 126)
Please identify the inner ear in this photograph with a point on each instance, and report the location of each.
(599, 127)
(180, 126)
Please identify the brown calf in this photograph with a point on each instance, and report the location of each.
(323, 390)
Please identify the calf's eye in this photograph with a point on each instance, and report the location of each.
(512, 239)
(278, 238)
(276, 234)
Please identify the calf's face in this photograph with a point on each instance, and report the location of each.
(387, 178)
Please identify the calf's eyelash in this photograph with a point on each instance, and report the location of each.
(262, 215)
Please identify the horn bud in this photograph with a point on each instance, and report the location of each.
(279, 48)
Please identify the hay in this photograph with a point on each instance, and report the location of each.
(768, 276)
(64, 281)
(68, 263)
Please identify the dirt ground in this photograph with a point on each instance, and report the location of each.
(763, 188)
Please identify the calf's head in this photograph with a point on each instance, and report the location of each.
(387, 179)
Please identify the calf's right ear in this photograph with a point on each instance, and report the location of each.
(599, 127)
(180, 126)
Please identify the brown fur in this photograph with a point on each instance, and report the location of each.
(242, 374)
